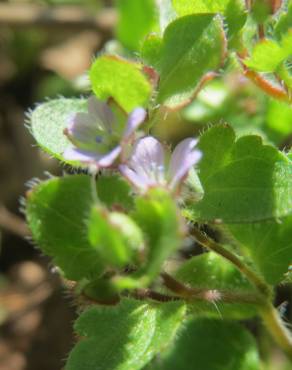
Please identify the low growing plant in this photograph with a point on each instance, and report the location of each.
(176, 145)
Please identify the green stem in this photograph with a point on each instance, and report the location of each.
(252, 276)
(209, 295)
(93, 173)
(269, 314)
(276, 328)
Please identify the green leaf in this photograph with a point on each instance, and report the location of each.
(278, 120)
(193, 46)
(210, 271)
(56, 212)
(48, 120)
(114, 191)
(261, 60)
(124, 337)
(243, 180)
(151, 50)
(136, 20)
(233, 10)
(157, 215)
(269, 244)
(212, 345)
(124, 81)
(114, 235)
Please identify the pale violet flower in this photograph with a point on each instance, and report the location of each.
(100, 135)
(148, 166)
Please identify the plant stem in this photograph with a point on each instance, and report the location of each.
(277, 328)
(252, 276)
(209, 295)
(269, 314)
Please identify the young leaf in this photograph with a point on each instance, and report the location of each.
(56, 212)
(212, 272)
(261, 60)
(269, 244)
(233, 10)
(124, 337)
(136, 20)
(114, 235)
(212, 345)
(158, 217)
(261, 56)
(48, 120)
(124, 81)
(243, 180)
(193, 46)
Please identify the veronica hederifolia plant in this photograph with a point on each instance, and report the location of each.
(128, 235)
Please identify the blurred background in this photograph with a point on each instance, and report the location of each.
(46, 47)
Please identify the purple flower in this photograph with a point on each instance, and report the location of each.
(100, 135)
(148, 168)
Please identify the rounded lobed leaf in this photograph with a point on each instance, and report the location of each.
(48, 121)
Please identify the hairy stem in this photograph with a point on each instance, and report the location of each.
(276, 328)
(210, 295)
(252, 276)
(269, 314)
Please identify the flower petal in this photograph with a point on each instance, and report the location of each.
(135, 118)
(101, 112)
(80, 155)
(82, 129)
(138, 181)
(148, 158)
(87, 157)
(108, 159)
(183, 158)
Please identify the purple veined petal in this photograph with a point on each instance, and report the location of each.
(135, 119)
(191, 159)
(148, 160)
(108, 159)
(180, 154)
(138, 181)
(180, 169)
(101, 112)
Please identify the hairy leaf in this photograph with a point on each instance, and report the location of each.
(243, 180)
(233, 10)
(214, 345)
(48, 121)
(124, 337)
(192, 47)
(124, 81)
(57, 211)
(269, 244)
